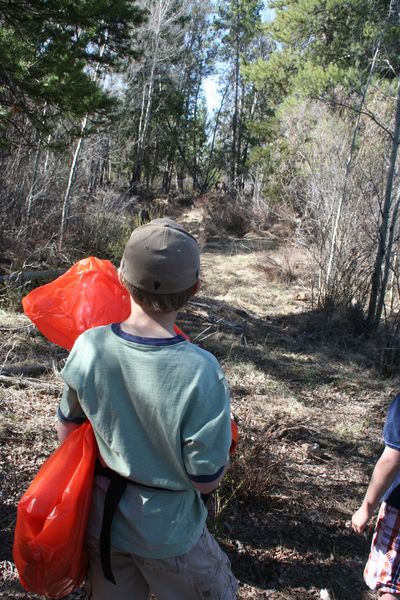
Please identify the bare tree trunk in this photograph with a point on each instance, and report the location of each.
(206, 181)
(145, 122)
(392, 285)
(250, 117)
(32, 189)
(378, 286)
(142, 110)
(391, 256)
(235, 118)
(74, 166)
(195, 163)
(347, 172)
(71, 181)
(47, 157)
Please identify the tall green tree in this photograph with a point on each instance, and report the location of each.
(320, 45)
(335, 51)
(331, 42)
(160, 41)
(48, 51)
(238, 22)
(188, 122)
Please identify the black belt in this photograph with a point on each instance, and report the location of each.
(113, 496)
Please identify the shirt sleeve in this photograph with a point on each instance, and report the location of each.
(391, 430)
(206, 431)
(69, 409)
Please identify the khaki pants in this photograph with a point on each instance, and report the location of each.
(203, 573)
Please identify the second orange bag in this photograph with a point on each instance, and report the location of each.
(52, 517)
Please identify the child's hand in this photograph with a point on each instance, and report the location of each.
(360, 519)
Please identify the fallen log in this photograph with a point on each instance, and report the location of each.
(238, 327)
(23, 276)
(26, 382)
(25, 369)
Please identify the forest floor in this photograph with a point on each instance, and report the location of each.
(310, 409)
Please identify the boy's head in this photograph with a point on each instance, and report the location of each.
(160, 266)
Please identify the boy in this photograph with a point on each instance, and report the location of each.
(382, 571)
(159, 408)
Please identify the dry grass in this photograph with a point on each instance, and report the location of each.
(310, 413)
(311, 410)
(235, 277)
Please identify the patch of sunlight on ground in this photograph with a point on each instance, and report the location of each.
(350, 429)
(264, 390)
(236, 280)
(255, 379)
(12, 319)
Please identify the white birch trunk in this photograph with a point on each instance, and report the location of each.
(74, 167)
(349, 162)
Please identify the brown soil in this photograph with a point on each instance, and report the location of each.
(310, 410)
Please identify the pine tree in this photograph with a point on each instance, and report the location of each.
(161, 42)
(238, 22)
(334, 51)
(331, 42)
(48, 51)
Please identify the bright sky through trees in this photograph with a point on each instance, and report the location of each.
(210, 86)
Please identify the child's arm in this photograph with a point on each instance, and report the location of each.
(70, 414)
(384, 472)
(64, 429)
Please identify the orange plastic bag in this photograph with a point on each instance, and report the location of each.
(87, 295)
(234, 436)
(52, 518)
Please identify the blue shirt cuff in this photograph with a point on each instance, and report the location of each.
(61, 417)
(206, 478)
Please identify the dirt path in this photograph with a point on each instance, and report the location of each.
(310, 412)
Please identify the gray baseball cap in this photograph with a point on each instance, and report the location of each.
(161, 257)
